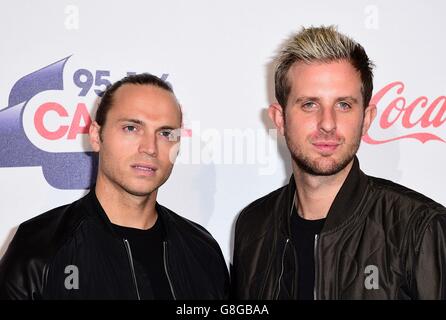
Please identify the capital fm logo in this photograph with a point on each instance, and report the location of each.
(400, 118)
(47, 120)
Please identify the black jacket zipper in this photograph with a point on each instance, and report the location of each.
(282, 267)
(129, 255)
(166, 271)
(316, 238)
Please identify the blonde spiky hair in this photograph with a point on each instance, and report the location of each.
(321, 44)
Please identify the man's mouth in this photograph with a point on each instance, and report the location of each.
(326, 146)
(145, 169)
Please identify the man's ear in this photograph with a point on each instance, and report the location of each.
(369, 115)
(95, 136)
(276, 114)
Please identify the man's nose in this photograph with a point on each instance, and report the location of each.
(327, 121)
(148, 145)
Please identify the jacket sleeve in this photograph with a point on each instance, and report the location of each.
(13, 275)
(429, 264)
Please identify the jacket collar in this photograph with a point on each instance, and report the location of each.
(343, 207)
(94, 208)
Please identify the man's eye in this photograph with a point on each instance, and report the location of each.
(308, 105)
(130, 128)
(344, 106)
(171, 135)
(167, 133)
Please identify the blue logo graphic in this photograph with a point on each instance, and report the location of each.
(62, 170)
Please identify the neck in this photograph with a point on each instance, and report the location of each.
(125, 209)
(315, 194)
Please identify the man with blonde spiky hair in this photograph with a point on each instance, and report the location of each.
(333, 232)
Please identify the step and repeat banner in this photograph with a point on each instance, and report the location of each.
(57, 57)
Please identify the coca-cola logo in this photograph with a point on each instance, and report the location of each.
(420, 118)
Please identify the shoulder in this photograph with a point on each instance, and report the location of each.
(49, 228)
(35, 234)
(257, 217)
(403, 199)
(178, 226)
(405, 209)
(34, 244)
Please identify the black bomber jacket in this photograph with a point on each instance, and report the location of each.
(372, 225)
(41, 256)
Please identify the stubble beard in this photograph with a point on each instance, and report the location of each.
(323, 165)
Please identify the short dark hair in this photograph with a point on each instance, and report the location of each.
(322, 44)
(137, 79)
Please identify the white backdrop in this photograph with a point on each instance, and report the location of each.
(217, 55)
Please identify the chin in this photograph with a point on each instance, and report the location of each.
(328, 170)
(321, 166)
(140, 191)
(325, 169)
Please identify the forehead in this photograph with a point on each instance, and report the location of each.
(145, 102)
(339, 75)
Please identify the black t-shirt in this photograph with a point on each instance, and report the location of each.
(147, 250)
(303, 233)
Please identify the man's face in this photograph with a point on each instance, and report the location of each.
(138, 144)
(324, 119)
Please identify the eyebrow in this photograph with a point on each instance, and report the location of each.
(167, 128)
(317, 99)
(348, 98)
(300, 99)
(132, 121)
(142, 123)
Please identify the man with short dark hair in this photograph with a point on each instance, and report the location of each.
(334, 232)
(117, 242)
